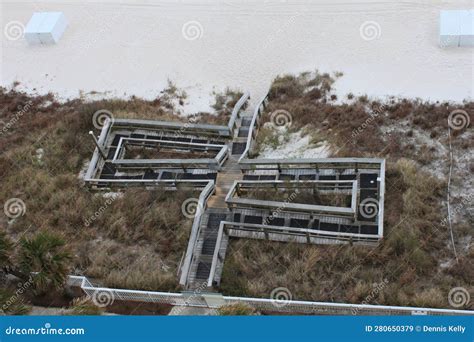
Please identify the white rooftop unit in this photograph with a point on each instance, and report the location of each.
(456, 28)
(45, 28)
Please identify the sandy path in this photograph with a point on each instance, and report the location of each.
(133, 47)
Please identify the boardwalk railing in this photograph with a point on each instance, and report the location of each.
(254, 126)
(277, 233)
(216, 256)
(235, 199)
(96, 160)
(235, 112)
(196, 299)
(218, 131)
(201, 207)
(315, 163)
(167, 184)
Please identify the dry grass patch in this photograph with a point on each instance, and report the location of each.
(135, 239)
(405, 269)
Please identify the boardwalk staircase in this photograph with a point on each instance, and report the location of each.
(217, 211)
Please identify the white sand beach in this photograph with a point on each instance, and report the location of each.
(123, 48)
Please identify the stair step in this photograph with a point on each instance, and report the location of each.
(208, 246)
(238, 148)
(203, 270)
(246, 121)
(214, 220)
(243, 132)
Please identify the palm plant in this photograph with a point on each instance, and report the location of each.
(45, 255)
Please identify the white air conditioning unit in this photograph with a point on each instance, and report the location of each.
(45, 28)
(456, 28)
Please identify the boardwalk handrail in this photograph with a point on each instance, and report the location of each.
(215, 256)
(201, 205)
(257, 112)
(96, 158)
(163, 143)
(238, 106)
(225, 131)
(165, 183)
(238, 226)
(222, 156)
(308, 162)
(219, 130)
(226, 227)
(232, 200)
(197, 300)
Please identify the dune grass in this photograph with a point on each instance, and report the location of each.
(133, 239)
(414, 264)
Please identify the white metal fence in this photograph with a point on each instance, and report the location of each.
(197, 299)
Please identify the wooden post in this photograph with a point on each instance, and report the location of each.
(102, 153)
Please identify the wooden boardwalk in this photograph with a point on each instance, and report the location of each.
(216, 212)
(225, 179)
